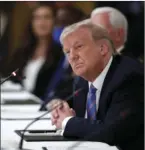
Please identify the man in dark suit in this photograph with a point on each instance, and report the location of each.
(109, 108)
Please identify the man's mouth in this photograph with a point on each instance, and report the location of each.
(78, 66)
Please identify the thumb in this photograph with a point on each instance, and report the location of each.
(65, 105)
(73, 112)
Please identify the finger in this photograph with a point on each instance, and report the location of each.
(53, 121)
(53, 104)
(57, 125)
(73, 112)
(60, 106)
(60, 110)
(64, 108)
(65, 105)
(54, 113)
(57, 104)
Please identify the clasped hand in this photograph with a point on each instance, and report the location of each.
(60, 111)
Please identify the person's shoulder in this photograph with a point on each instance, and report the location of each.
(56, 46)
(129, 65)
(126, 71)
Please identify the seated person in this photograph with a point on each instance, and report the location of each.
(115, 23)
(63, 19)
(39, 56)
(110, 106)
(5, 27)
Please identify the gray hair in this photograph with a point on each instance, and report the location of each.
(116, 18)
(97, 31)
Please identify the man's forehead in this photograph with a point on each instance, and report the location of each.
(102, 17)
(102, 14)
(83, 29)
(71, 40)
(78, 34)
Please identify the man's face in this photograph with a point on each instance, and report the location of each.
(117, 35)
(84, 54)
(103, 20)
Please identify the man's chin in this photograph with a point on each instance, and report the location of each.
(79, 73)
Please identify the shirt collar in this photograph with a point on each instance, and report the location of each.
(98, 83)
(119, 50)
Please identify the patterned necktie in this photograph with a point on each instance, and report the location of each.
(91, 103)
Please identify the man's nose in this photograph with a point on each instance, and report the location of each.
(73, 55)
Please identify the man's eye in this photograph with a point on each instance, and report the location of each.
(67, 53)
(79, 46)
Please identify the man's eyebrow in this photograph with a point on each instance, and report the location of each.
(77, 42)
(65, 50)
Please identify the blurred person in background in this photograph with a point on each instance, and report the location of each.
(134, 12)
(5, 24)
(115, 23)
(66, 16)
(39, 56)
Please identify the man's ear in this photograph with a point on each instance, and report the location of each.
(119, 34)
(104, 49)
(101, 48)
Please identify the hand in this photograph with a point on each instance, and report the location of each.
(60, 113)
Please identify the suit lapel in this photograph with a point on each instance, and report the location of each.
(110, 81)
(80, 99)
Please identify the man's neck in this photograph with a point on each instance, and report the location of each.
(120, 48)
(92, 77)
(98, 82)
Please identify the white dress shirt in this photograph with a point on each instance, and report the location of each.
(119, 50)
(98, 83)
(31, 72)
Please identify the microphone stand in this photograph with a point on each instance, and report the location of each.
(38, 118)
(43, 106)
(13, 74)
(33, 121)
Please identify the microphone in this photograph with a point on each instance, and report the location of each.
(50, 108)
(45, 103)
(13, 74)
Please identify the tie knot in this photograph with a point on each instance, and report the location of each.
(92, 89)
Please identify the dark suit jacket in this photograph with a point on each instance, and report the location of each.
(120, 117)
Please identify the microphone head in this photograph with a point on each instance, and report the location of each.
(14, 74)
(77, 91)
